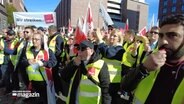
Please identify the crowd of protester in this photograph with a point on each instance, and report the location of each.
(109, 67)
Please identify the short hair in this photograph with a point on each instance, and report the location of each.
(155, 28)
(173, 19)
(130, 31)
(52, 27)
(29, 27)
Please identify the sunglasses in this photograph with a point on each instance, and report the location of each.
(26, 32)
(153, 32)
(81, 48)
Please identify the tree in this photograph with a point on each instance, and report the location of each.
(10, 9)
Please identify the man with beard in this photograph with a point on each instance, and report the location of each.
(160, 78)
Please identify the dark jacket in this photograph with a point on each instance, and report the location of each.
(50, 63)
(68, 73)
(111, 52)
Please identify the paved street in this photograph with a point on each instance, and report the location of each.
(8, 99)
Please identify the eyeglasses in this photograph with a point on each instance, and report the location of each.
(153, 32)
(26, 32)
(36, 39)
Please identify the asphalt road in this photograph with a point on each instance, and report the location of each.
(8, 99)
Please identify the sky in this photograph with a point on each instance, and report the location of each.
(50, 6)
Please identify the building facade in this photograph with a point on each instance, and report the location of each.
(3, 15)
(73, 9)
(168, 7)
(114, 10)
(18, 4)
(136, 11)
(119, 10)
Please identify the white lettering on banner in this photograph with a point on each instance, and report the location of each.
(25, 94)
(43, 19)
(19, 19)
(33, 20)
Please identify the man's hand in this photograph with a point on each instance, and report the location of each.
(155, 60)
(99, 35)
(77, 60)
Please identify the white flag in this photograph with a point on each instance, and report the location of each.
(107, 19)
(88, 22)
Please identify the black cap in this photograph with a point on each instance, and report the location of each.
(11, 32)
(85, 44)
(41, 28)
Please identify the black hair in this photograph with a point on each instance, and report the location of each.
(173, 19)
(29, 27)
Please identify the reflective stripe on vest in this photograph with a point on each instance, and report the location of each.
(144, 88)
(2, 52)
(89, 92)
(52, 44)
(34, 74)
(114, 68)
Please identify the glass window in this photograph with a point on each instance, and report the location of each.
(174, 1)
(182, 7)
(165, 3)
(173, 9)
(164, 10)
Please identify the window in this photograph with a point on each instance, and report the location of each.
(182, 7)
(165, 3)
(174, 1)
(164, 10)
(173, 9)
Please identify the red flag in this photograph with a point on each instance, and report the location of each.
(127, 25)
(46, 58)
(79, 34)
(88, 22)
(143, 31)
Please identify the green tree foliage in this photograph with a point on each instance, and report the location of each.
(10, 9)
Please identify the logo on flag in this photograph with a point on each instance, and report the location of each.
(91, 71)
(49, 18)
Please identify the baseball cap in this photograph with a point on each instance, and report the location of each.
(84, 44)
(11, 32)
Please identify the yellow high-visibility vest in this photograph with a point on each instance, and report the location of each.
(2, 52)
(114, 68)
(34, 74)
(52, 44)
(12, 46)
(89, 92)
(144, 88)
(127, 58)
